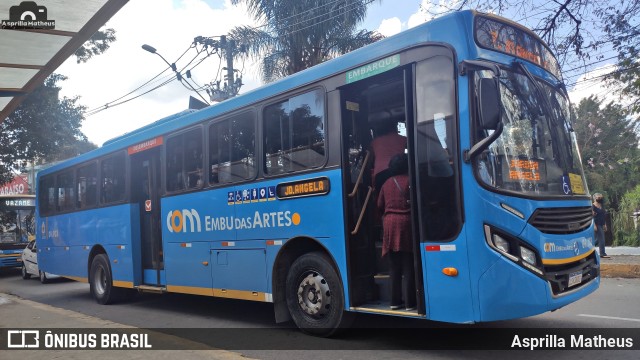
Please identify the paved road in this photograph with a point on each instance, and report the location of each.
(614, 305)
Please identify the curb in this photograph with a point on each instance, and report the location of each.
(620, 270)
(23, 313)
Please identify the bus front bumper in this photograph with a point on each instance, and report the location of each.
(508, 291)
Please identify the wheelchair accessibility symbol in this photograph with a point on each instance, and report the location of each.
(565, 185)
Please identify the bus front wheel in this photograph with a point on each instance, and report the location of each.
(314, 295)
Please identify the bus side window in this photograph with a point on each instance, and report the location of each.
(65, 188)
(184, 161)
(112, 179)
(47, 195)
(232, 149)
(86, 185)
(294, 137)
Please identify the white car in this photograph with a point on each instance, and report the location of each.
(30, 264)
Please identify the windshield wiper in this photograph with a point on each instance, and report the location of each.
(546, 106)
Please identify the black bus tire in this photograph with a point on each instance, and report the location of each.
(101, 281)
(315, 297)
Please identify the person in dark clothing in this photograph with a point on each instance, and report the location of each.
(393, 202)
(599, 224)
(386, 144)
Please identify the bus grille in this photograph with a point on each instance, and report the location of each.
(558, 275)
(562, 220)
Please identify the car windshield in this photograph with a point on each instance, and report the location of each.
(537, 153)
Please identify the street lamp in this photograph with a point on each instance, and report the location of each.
(173, 67)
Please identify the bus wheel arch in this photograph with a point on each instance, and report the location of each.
(303, 254)
(96, 250)
(101, 279)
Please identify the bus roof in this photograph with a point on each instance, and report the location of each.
(459, 35)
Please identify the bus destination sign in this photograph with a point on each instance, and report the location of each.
(18, 202)
(145, 145)
(506, 38)
(517, 170)
(307, 187)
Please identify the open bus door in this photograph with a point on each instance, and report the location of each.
(366, 106)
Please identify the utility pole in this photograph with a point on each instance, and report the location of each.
(229, 47)
(231, 85)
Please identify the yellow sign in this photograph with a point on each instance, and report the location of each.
(577, 186)
(353, 106)
(319, 186)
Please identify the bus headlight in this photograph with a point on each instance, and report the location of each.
(501, 243)
(528, 255)
(512, 248)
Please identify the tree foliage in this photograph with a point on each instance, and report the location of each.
(582, 33)
(609, 147)
(44, 127)
(97, 44)
(626, 221)
(298, 34)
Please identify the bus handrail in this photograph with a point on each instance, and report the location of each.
(364, 165)
(364, 208)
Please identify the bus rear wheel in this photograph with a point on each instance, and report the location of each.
(101, 282)
(314, 295)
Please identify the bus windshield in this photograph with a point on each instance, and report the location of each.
(16, 226)
(537, 153)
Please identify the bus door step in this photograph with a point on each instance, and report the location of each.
(151, 289)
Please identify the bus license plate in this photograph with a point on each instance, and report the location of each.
(575, 278)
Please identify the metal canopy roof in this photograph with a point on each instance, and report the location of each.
(27, 57)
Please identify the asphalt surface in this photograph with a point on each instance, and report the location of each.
(18, 313)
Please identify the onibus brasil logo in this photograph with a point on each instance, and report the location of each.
(189, 220)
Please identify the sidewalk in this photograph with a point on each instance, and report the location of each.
(624, 262)
(19, 313)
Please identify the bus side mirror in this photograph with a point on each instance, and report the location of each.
(489, 102)
(490, 113)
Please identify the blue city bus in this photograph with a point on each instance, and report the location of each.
(269, 196)
(17, 222)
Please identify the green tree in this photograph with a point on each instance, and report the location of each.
(97, 44)
(581, 33)
(622, 29)
(626, 222)
(609, 146)
(43, 127)
(298, 34)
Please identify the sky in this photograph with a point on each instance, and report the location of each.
(170, 26)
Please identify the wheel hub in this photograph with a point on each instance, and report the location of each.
(314, 295)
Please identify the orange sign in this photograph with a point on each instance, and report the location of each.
(146, 145)
(524, 170)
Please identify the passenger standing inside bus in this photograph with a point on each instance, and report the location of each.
(394, 204)
(599, 222)
(386, 144)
